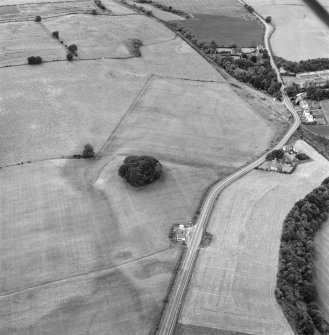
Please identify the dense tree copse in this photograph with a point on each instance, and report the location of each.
(88, 151)
(140, 170)
(33, 60)
(317, 64)
(295, 291)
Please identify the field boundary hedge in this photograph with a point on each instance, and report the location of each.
(295, 291)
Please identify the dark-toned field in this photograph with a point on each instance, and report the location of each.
(225, 30)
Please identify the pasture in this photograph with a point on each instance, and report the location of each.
(106, 36)
(225, 30)
(20, 40)
(299, 34)
(232, 288)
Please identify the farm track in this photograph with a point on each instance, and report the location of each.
(176, 300)
(80, 275)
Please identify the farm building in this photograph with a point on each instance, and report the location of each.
(317, 78)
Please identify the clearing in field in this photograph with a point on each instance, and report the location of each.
(23, 39)
(233, 284)
(107, 36)
(299, 34)
(225, 30)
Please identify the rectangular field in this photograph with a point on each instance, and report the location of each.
(200, 124)
(106, 36)
(225, 30)
(299, 34)
(233, 284)
(24, 39)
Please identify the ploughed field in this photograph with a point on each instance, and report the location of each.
(232, 287)
(81, 250)
(299, 34)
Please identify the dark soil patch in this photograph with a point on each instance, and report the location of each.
(225, 30)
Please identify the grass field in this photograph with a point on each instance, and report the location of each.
(21, 40)
(233, 284)
(106, 36)
(199, 129)
(299, 34)
(225, 30)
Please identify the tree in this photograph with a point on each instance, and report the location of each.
(32, 60)
(88, 151)
(55, 34)
(73, 48)
(140, 170)
(69, 57)
(268, 19)
(37, 18)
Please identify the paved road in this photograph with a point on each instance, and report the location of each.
(171, 313)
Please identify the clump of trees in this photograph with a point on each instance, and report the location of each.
(69, 57)
(295, 291)
(268, 19)
(37, 18)
(278, 154)
(140, 170)
(302, 156)
(134, 46)
(34, 60)
(55, 34)
(88, 151)
(248, 8)
(73, 49)
(318, 93)
(99, 4)
(317, 64)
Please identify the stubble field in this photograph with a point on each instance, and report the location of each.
(232, 287)
(23, 39)
(299, 34)
(103, 36)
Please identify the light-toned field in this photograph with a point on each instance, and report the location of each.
(192, 127)
(53, 8)
(233, 284)
(23, 39)
(106, 36)
(52, 110)
(64, 249)
(299, 33)
(214, 7)
(117, 9)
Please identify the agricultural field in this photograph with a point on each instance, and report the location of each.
(225, 30)
(299, 34)
(107, 36)
(214, 7)
(20, 40)
(81, 250)
(198, 129)
(232, 288)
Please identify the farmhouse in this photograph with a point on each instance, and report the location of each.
(317, 78)
(181, 233)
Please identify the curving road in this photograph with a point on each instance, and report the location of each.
(171, 313)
